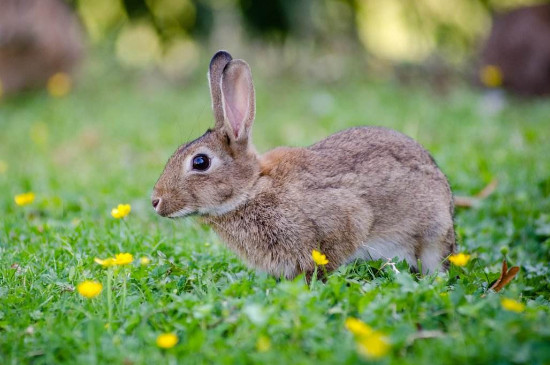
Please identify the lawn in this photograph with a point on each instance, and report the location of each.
(106, 143)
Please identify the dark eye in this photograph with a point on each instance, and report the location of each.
(201, 162)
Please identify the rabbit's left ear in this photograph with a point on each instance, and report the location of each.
(217, 65)
(238, 99)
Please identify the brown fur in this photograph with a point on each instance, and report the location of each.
(365, 192)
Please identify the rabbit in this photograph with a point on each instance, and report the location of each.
(363, 193)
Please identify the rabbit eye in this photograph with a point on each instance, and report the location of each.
(201, 162)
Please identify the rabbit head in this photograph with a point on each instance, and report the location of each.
(212, 174)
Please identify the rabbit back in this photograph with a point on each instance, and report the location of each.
(366, 192)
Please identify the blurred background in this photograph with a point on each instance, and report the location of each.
(495, 43)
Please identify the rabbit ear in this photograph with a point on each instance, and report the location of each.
(217, 64)
(238, 99)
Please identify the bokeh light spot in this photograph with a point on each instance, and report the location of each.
(99, 15)
(3, 167)
(59, 84)
(39, 133)
(138, 45)
(180, 59)
(491, 76)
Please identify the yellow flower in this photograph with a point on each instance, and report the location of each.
(119, 259)
(107, 262)
(123, 258)
(59, 84)
(3, 167)
(121, 211)
(370, 343)
(491, 76)
(24, 199)
(167, 340)
(512, 305)
(459, 259)
(89, 288)
(319, 258)
(263, 344)
(358, 327)
(374, 345)
(144, 261)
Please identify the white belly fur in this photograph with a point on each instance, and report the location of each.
(384, 249)
(387, 249)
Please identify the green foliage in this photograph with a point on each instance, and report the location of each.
(106, 143)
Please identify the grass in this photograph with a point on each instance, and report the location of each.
(106, 143)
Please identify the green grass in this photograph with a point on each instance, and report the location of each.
(107, 142)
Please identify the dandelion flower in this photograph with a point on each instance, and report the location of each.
(24, 199)
(123, 259)
(167, 340)
(121, 211)
(374, 345)
(319, 258)
(459, 259)
(358, 327)
(107, 262)
(512, 305)
(120, 259)
(144, 261)
(3, 167)
(89, 288)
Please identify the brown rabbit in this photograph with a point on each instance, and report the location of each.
(363, 193)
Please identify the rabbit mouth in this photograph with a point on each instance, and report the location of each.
(164, 208)
(182, 213)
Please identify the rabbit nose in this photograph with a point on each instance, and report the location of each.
(155, 203)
